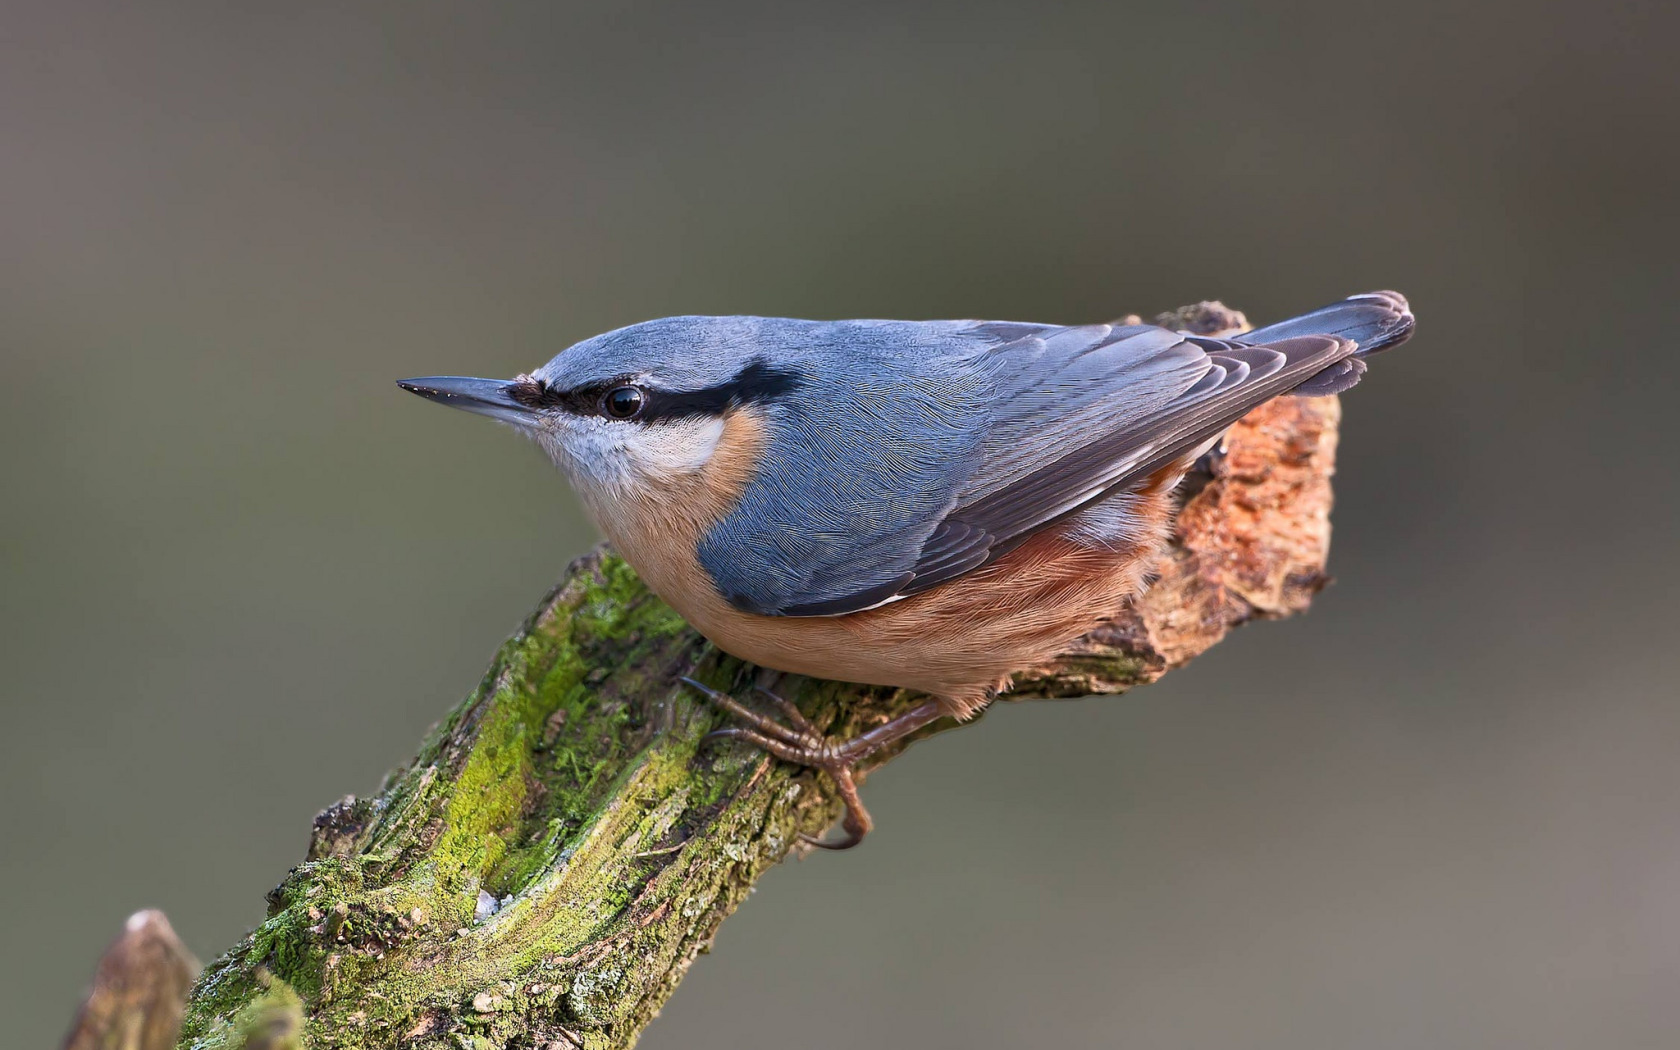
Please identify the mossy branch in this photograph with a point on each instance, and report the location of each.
(565, 843)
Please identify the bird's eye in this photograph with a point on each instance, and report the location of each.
(623, 402)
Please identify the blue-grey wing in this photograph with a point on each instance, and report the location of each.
(971, 442)
(1171, 394)
(1083, 413)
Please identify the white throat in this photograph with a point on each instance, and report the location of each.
(622, 458)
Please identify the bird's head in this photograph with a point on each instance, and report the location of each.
(632, 409)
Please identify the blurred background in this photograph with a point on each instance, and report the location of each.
(242, 572)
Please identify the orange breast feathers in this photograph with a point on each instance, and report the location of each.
(959, 641)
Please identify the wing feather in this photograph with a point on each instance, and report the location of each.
(1235, 378)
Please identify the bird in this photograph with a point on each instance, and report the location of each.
(927, 505)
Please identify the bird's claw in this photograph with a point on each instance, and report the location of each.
(802, 744)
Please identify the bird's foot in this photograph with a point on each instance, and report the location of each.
(798, 741)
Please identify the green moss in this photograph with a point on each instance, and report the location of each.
(544, 732)
(261, 1011)
(273, 1020)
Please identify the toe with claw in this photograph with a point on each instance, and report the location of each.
(798, 741)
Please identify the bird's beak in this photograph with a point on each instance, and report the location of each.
(487, 397)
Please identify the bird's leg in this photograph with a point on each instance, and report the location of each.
(803, 744)
(1209, 462)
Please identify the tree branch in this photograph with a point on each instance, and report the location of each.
(565, 843)
(138, 991)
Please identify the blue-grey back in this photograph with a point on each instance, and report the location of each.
(864, 458)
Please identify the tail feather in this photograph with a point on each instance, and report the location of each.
(1341, 376)
(1375, 320)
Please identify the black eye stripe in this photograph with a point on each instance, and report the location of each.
(757, 383)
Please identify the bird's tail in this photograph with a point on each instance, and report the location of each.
(1374, 320)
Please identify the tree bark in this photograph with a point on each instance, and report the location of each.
(565, 843)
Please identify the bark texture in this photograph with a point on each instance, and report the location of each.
(138, 992)
(564, 845)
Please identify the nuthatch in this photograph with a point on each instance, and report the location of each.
(933, 505)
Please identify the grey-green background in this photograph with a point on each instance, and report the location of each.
(243, 572)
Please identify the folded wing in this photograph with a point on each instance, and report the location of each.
(1087, 414)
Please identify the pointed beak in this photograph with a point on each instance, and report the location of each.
(487, 397)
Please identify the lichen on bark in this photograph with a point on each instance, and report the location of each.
(566, 841)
